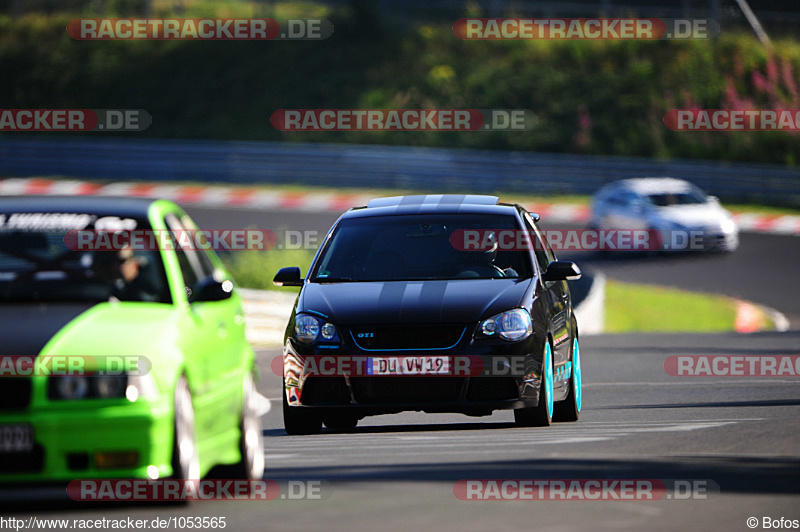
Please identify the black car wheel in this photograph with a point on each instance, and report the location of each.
(299, 420)
(570, 408)
(540, 415)
(340, 421)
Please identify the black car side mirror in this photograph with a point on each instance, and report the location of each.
(562, 270)
(209, 289)
(288, 277)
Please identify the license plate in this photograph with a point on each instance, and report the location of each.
(16, 438)
(408, 365)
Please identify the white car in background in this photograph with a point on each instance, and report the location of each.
(685, 216)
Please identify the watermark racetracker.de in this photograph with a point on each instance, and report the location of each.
(604, 489)
(109, 490)
(403, 119)
(109, 120)
(584, 28)
(732, 366)
(203, 29)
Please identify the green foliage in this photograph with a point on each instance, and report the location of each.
(255, 269)
(596, 97)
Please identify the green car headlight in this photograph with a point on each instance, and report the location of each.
(77, 387)
(106, 386)
(69, 387)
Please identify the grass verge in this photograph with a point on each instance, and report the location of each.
(634, 307)
(255, 269)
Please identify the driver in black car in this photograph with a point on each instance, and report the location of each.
(481, 263)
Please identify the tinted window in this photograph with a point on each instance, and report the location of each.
(418, 247)
(692, 197)
(41, 259)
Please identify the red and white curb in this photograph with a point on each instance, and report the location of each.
(749, 317)
(270, 199)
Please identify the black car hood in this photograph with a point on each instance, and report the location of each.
(26, 328)
(452, 301)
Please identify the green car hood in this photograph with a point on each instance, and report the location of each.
(119, 330)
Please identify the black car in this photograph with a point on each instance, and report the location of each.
(437, 303)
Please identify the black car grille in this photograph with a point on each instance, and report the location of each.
(405, 389)
(15, 393)
(407, 336)
(29, 462)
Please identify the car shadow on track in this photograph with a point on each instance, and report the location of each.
(743, 474)
(715, 404)
(384, 429)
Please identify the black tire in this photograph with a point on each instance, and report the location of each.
(251, 438)
(298, 420)
(540, 415)
(340, 421)
(569, 409)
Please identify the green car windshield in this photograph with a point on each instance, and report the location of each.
(422, 247)
(36, 264)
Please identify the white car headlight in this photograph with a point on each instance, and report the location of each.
(513, 325)
(728, 225)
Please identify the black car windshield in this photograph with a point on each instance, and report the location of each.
(420, 247)
(37, 264)
(690, 197)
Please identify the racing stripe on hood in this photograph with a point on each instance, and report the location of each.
(431, 298)
(414, 300)
(28, 327)
(393, 302)
(389, 295)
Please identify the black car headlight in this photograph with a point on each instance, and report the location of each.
(308, 328)
(512, 325)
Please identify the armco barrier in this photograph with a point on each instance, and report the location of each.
(343, 165)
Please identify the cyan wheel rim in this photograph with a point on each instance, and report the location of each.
(548, 379)
(576, 375)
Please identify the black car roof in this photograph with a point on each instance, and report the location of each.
(431, 203)
(131, 207)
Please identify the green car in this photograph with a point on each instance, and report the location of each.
(122, 346)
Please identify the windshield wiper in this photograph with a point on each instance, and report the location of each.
(333, 280)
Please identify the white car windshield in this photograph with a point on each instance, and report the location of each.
(664, 199)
